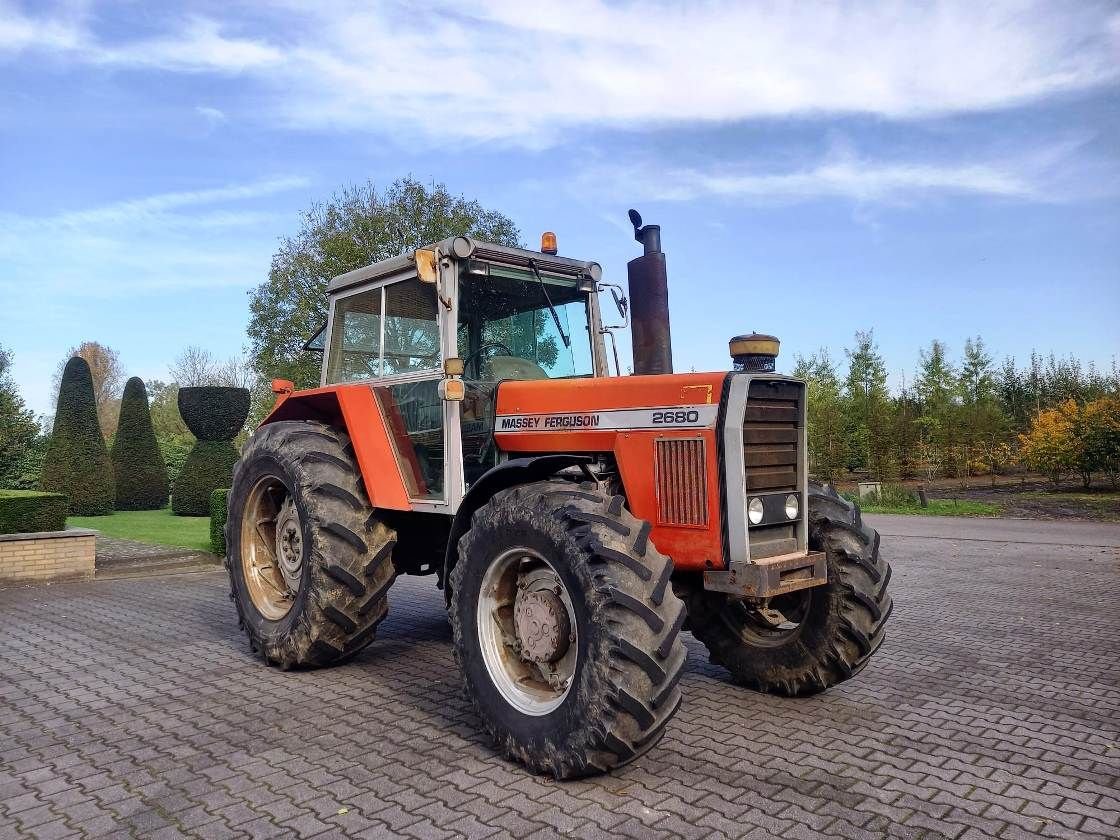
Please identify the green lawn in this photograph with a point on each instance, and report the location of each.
(158, 527)
(938, 507)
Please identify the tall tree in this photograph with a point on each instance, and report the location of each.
(77, 462)
(108, 377)
(355, 227)
(936, 388)
(984, 425)
(194, 367)
(868, 406)
(1013, 391)
(827, 449)
(18, 429)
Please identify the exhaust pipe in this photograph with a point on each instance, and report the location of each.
(649, 302)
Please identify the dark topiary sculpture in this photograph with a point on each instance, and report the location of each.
(138, 468)
(77, 462)
(214, 415)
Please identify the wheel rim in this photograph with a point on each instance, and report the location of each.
(271, 548)
(527, 631)
(777, 623)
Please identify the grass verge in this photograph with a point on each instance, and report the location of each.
(896, 499)
(158, 527)
(937, 507)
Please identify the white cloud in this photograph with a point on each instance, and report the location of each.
(212, 116)
(1054, 171)
(506, 70)
(199, 46)
(189, 239)
(19, 32)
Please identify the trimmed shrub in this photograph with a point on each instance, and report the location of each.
(213, 412)
(214, 415)
(208, 467)
(77, 463)
(219, 511)
(28, 511)
(138, 468)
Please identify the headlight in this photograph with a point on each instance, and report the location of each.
(754, 511)
(791, 506)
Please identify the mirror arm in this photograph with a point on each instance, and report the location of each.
(609, 332)
(623, 306)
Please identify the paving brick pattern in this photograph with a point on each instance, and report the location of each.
(133, 708)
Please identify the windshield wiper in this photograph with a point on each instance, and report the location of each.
(555, 317)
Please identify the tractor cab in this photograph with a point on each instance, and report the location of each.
(434, 332)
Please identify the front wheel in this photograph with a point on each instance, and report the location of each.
(809, 640)
(308, 560)
(566, 628)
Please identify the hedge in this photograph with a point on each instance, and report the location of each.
(213, 412)
(219, 510)
(208, 467)
(77, 463)
(28, 511)
(139, 471)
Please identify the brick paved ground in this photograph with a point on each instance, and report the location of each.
(133, 707)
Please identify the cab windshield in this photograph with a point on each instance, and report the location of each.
(508, 330)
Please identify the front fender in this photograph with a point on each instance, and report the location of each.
(507, 474)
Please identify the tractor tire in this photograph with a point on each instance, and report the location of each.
(308, 559)
(835, 627)
(620, 641)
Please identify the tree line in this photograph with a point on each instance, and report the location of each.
(955, 418)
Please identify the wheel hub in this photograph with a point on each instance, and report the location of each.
(527, 631)
(542, 625)
(289, 544)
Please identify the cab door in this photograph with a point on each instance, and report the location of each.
(391, 335)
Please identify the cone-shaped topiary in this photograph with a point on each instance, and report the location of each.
(215, 415)
(138, 468)
(77, 462)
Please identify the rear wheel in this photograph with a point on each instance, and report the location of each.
(566, 628)
(806, 641)
(309, 562)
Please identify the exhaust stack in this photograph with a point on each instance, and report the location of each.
(649, 302)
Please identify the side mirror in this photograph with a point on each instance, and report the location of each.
(427, 265)
(620, 302)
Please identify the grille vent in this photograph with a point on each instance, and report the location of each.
(770, 435)
(682, 487)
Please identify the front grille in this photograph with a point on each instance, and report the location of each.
(682, 485)
(770, 435)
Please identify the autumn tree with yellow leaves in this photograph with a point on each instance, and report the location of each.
(1084, 439)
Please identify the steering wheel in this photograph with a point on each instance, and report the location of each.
(483, 348)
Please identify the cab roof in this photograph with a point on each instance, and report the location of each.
(463, 247)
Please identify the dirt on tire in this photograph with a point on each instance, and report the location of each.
(347, 564)
(844, 622)
(631, 656)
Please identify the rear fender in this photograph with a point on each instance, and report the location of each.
(507, 474)
(353, 409)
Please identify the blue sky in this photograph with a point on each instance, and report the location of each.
(931, 170)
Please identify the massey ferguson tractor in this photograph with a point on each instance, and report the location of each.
(468, 425)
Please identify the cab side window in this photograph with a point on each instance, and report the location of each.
(411, 328)
(386, 331)
(355, 350)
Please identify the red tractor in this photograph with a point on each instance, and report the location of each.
(467, 425)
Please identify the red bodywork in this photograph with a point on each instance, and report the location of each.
(654, 477)
(693, 546)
